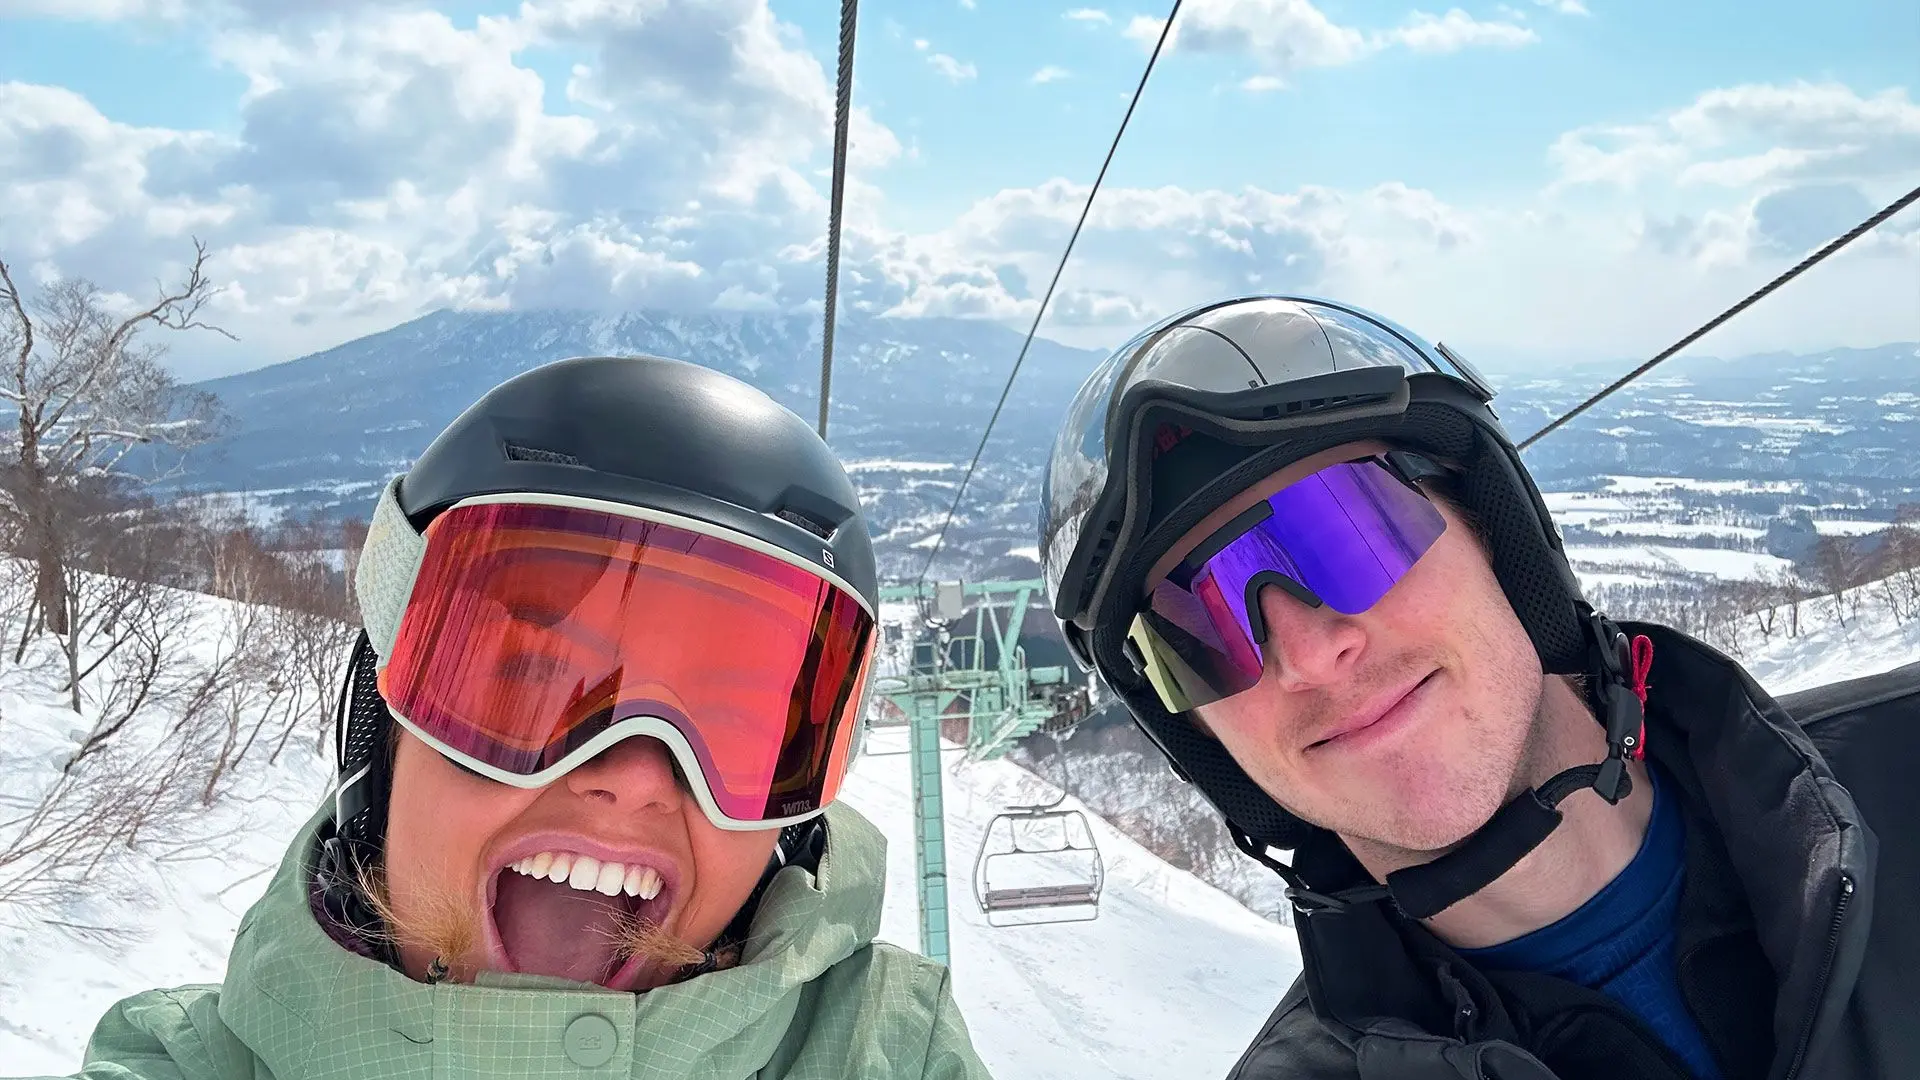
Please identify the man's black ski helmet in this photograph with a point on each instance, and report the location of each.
(642, 430)
(1203, 404)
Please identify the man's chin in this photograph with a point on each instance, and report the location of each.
(1416, 830)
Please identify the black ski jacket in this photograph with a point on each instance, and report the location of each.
(1798, 943)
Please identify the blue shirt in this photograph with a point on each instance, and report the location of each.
(1621, 942)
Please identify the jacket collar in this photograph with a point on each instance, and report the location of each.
(1803, 858)
(306, 1007)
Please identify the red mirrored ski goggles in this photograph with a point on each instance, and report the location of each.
(539, 630)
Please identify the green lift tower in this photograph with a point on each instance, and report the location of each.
(940, 670)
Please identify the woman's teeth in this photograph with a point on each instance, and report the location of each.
(588, 874)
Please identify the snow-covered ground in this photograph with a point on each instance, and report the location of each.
(1171, 980)
(1691, 561)
(1826, 651)
(1652, 524)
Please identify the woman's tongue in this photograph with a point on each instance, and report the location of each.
(551, 928)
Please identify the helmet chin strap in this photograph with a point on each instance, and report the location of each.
(1616, 691)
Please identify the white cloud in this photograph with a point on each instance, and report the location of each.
(1565, 7)
(968, 4)
(1261, 84)
(202, 13)
(101, 10)
(1539, 279)
(1457, 30)
(954, 70)
(1088, 15)
(1752, 134)
(394, 162)
(397, 162)
(1287, 36)
(1048, 74)
(1284, 35)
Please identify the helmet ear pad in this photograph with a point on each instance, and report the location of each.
(1493, 489)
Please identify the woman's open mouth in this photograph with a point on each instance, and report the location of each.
(569, 914)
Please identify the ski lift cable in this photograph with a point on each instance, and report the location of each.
(842, 115)
(960, 493)
(1805, 264)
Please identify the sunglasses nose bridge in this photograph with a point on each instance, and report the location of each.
(1256, 612)
(1303, 641)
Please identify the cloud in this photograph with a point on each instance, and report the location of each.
(1751, 134)
(1288, 36)
(1565, 7)
(951, 69)
(1048, 74)
(1283, 35)
(1172, 245)
(395, 162)
(1088, 15)
(1457, 30)
(201, 13)
(1797, 220)
(92, 10)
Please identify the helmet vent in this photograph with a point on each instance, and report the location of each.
(1292, 408)
(518, 452)
(819, 528)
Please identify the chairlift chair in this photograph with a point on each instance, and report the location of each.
(1020, 882)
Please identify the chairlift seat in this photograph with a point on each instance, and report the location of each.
(1054, 902)
(1041, 896)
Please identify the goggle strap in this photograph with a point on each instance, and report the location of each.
(390, 560)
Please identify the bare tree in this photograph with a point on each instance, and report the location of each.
(1897, 565)
(145, 642)
(313, 644)
(90, 819)
(1791, 590)
(86, 390)
(1760, 599)
(1836, 566)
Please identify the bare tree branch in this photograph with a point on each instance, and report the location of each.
(11, 295)
(87, 391)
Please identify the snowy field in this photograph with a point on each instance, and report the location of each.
(1720, 563)
(1171, 980)
(1653, 525)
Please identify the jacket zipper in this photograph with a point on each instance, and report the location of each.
(1826, 972)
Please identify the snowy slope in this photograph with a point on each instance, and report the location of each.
(1827, 651)
(1173, 978)
(1171, 981)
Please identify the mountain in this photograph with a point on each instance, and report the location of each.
(1846, 421)
(910, 397)
(1769, 435)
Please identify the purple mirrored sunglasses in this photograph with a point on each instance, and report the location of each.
(1341, 537)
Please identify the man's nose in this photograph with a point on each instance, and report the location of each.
(1309, 646)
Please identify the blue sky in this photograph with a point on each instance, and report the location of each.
(1462, 125)
(1427, 161)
